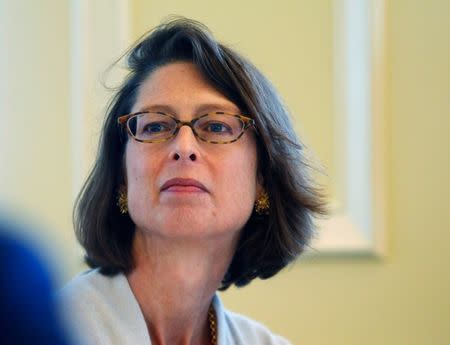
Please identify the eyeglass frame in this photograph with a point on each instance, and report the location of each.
(248, 122)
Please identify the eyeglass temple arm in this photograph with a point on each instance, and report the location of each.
(121, 120)
(249, 122)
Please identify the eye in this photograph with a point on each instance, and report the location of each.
(156, 127)
(217, 127)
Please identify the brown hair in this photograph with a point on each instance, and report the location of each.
(267, 243)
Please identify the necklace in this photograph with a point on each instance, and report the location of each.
(212, 325)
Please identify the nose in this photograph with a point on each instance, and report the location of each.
(185, 145)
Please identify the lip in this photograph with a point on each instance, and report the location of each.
(183, 184)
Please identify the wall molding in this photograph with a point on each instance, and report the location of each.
(357, 223)
(99, 34)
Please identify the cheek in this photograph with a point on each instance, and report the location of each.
(240, 183)
(138, 174)
(133, 167)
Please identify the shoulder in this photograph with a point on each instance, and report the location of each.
(253, 332)
(243, 330)
(89, 292)
(98, 296)
(102, 309)
(87, 285)
(84, 303)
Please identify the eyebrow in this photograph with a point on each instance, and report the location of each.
(200, 110)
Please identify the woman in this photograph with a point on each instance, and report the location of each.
(199, 183)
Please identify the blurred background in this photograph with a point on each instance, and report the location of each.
(398, 295)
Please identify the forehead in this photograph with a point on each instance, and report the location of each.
(181, 87)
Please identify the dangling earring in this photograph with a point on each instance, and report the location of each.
(122, 200)
(262, 204)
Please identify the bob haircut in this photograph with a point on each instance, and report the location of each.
(267, 243)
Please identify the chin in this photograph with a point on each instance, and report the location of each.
(184, 227)
(184, 222)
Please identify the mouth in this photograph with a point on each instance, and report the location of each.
(186, 185)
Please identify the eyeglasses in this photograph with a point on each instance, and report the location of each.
(215, 128)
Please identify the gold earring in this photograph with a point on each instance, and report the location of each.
(262, 204)
(122, 200)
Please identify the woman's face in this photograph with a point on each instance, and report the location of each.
(226, 171)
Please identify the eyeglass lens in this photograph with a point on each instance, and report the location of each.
(211, 127)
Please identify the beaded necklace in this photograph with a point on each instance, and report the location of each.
(212, 325)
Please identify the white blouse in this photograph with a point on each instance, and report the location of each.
(102, 310)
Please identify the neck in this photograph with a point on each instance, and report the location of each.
(174, 282)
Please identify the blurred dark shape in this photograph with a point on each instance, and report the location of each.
(28, 310)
